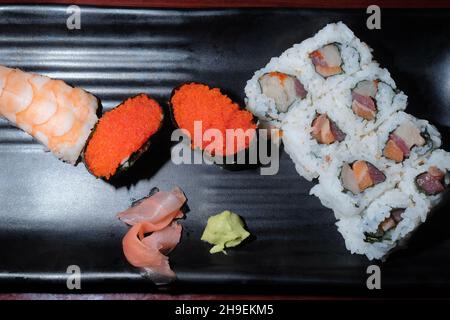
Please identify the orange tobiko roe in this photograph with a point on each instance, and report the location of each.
(279, 75)
(120, 133)
(198, 102)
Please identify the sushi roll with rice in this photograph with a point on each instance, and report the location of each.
(196, 105)
(391, 219)
(57, 115)
(122, 135)
(313, 67)
(379, 168)
(312, 136)
(272, 91)
(429, 177)
(386, 223)
(352, 182)
(329, 57)
(368, 98)
(402, 139)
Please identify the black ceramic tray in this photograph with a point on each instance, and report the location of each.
(53, 215)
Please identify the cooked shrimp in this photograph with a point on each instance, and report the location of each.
(57, 115)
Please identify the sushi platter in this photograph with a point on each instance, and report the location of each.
(121, 143)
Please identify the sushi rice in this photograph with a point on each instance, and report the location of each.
(375, 143)
(358, 231)
(296, 62)
(311, 158)
(332, 193)
(439, 159)
(355, 55)
(262, 106)
(388, 99)
(379, 169)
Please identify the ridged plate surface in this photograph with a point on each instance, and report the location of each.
(53, 215)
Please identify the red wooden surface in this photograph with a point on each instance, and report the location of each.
(252, 3)
(212, 4)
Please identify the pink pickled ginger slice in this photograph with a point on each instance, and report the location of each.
(157, 210)
(154, 215)
(149, 252)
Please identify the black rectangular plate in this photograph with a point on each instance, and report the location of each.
(53, 215)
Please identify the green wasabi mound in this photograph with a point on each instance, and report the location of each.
(224, 230)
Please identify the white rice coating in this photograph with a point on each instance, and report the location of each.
(296, 62)
(331, 192)
(438, 158)
(355, 54)
(262, 106)
(310, 157)
(365, 140)
(353, 229)
(388, 99)
(375, 142)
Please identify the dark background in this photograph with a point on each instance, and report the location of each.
(53, 215)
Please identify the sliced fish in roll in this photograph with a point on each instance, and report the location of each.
(386, 224)
(368, 99)
(352, 182)
(312, 137)
(402, 139)
(311, 68)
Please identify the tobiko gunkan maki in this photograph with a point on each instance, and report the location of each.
(122, 135)
(196, 102)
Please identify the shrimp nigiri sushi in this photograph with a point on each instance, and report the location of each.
(56, 114)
